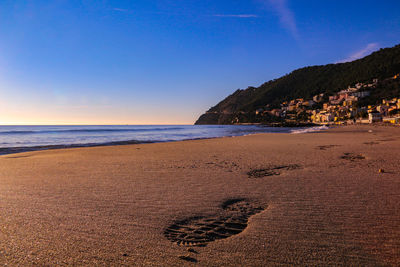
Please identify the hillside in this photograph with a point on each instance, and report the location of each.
(304, 83)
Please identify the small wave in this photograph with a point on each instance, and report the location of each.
(18, 132)
(89, 131)
(117, 130)
(310, 130)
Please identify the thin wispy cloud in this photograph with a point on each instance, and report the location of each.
(120, 9)
(243, 16)
(286, 16)
(236, 15)
(361, 53)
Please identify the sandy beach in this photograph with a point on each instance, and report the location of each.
(259, 200)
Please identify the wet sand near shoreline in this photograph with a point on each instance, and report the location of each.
(264, 199)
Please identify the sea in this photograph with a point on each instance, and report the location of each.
(14, 139)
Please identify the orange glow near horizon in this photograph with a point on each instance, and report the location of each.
(26, 121)
(23, 112)
(98, 119)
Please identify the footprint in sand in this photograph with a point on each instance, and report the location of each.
(201, 230)
(270, 171)
(188, 258)
(371, 143)
(387, 140)
(352, 156)
(325, 147)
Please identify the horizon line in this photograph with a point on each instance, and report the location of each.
(118, 124)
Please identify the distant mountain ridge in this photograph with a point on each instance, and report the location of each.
(303, 83)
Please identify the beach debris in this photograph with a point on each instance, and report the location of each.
(352, 156)
(125, 255)
(270, 171)
(381, 170)
(198, 231)
(370, 131)
(187, 258)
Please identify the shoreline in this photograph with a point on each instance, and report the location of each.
(16, 150)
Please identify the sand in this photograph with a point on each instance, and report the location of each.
(266, 199)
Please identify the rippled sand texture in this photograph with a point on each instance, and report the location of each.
(329, 198)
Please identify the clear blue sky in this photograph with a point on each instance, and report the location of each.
(167, 61)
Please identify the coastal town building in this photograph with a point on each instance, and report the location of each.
(341, 107)
(318, 98)
(361, 94)
(374, 117)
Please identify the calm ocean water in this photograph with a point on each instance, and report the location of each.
(25, 138)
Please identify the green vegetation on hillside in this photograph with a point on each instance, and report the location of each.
(305, 83)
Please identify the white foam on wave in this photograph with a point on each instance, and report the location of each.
(310, 130)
